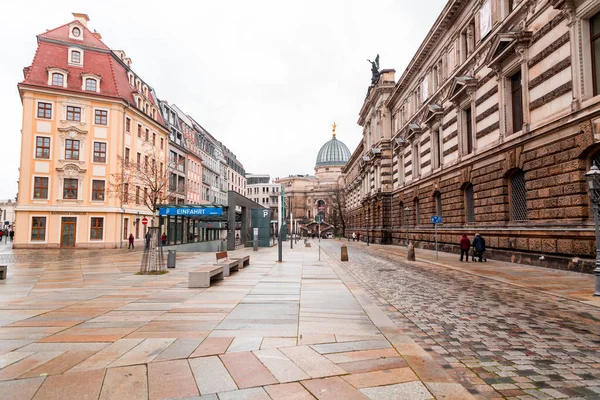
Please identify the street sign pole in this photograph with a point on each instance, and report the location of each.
(319, 239)
(436, 242)
(291, 230)
(280, 220)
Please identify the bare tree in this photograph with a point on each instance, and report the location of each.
(148, 180)
(337, 211)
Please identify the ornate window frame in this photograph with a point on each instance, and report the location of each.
(54, 70)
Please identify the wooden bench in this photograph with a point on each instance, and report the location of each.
(3, 270)
(229, 265)
(201, 277)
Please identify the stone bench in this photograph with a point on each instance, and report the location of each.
(3, 270)
(202, 276)
(229, 265)
(244, 261)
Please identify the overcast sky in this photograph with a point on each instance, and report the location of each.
(266, 78)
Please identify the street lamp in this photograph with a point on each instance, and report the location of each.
(367, 223)
(407, 212)
(593, 180)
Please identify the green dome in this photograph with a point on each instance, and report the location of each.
(333, 152)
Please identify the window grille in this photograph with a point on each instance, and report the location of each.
(438, 203)
(518, 197)
(470, 204)
(595, 160)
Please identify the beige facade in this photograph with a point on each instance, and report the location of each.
(83, 113)
(492, 125)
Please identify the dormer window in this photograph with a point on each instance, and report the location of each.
(57, 76)
(76, 32)
(57, 79)
(131, 79)
(90, 82)
(76, 57)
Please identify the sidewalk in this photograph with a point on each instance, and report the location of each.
(300, 329)
(566, 284)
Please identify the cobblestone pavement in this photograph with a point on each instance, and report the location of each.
(496, 339)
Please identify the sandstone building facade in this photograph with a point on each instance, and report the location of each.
(492, 125)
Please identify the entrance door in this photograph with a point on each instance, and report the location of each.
(67, 231)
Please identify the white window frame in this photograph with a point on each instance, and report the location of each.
(72, 36)
(35, 111)
(107, 116)
(35, 137)
(99, 141)
(64, 73)
(85, 77)
(92, 190)
(70, 62)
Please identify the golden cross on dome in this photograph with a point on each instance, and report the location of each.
(333, 127)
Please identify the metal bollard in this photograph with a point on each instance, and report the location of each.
(171, 258)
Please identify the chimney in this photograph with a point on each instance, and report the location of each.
(83, 18)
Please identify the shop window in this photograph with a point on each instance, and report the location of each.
(38, 228)
(97, 228)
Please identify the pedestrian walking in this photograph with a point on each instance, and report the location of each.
(163, 239)
(131, 239)
(479, 248)
(148, 237)
(354, 236)
(1, 235)
(358, 236)
(11, 234)
(465, 245)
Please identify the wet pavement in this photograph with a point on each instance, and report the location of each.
(497, 334)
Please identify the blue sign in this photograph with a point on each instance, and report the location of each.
(190, 211)
(6, 222)
(436, 219)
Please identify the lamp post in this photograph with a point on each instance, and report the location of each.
(593, 180)
(367, 223)
(407, 212)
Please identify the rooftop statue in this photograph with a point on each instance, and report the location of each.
(374, 70)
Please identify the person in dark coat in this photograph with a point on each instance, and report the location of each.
(11, 234)
(148, 238)
(131, 239)
(465, 245)
(479, 248)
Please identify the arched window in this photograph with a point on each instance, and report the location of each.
(58, 79)
(518, 196)
(91, 84)
(469, 204)
(437, 198)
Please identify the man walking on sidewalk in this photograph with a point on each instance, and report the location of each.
(479, 248)
(465, 245)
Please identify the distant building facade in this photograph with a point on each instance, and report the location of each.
(261, 190)
(307, 196)
(492, 126)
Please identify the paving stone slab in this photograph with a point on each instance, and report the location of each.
(280, 366)
(405, 391)
(108, 355)
(377, 364)
(288, 391)
(351, 346)
(20, 389)
(245, 394)
(25, 365)
(333, 389)
(143, 353)
(381, 378)
(125, 383)
(84, 385)
(180, 348)
(212, 346)
(211, 375)
(171, 379)
(246, 370)
(311, 362)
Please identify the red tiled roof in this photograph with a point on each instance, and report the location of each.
(114, 83)
(62, 33)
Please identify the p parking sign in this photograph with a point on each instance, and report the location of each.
(436, 219)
